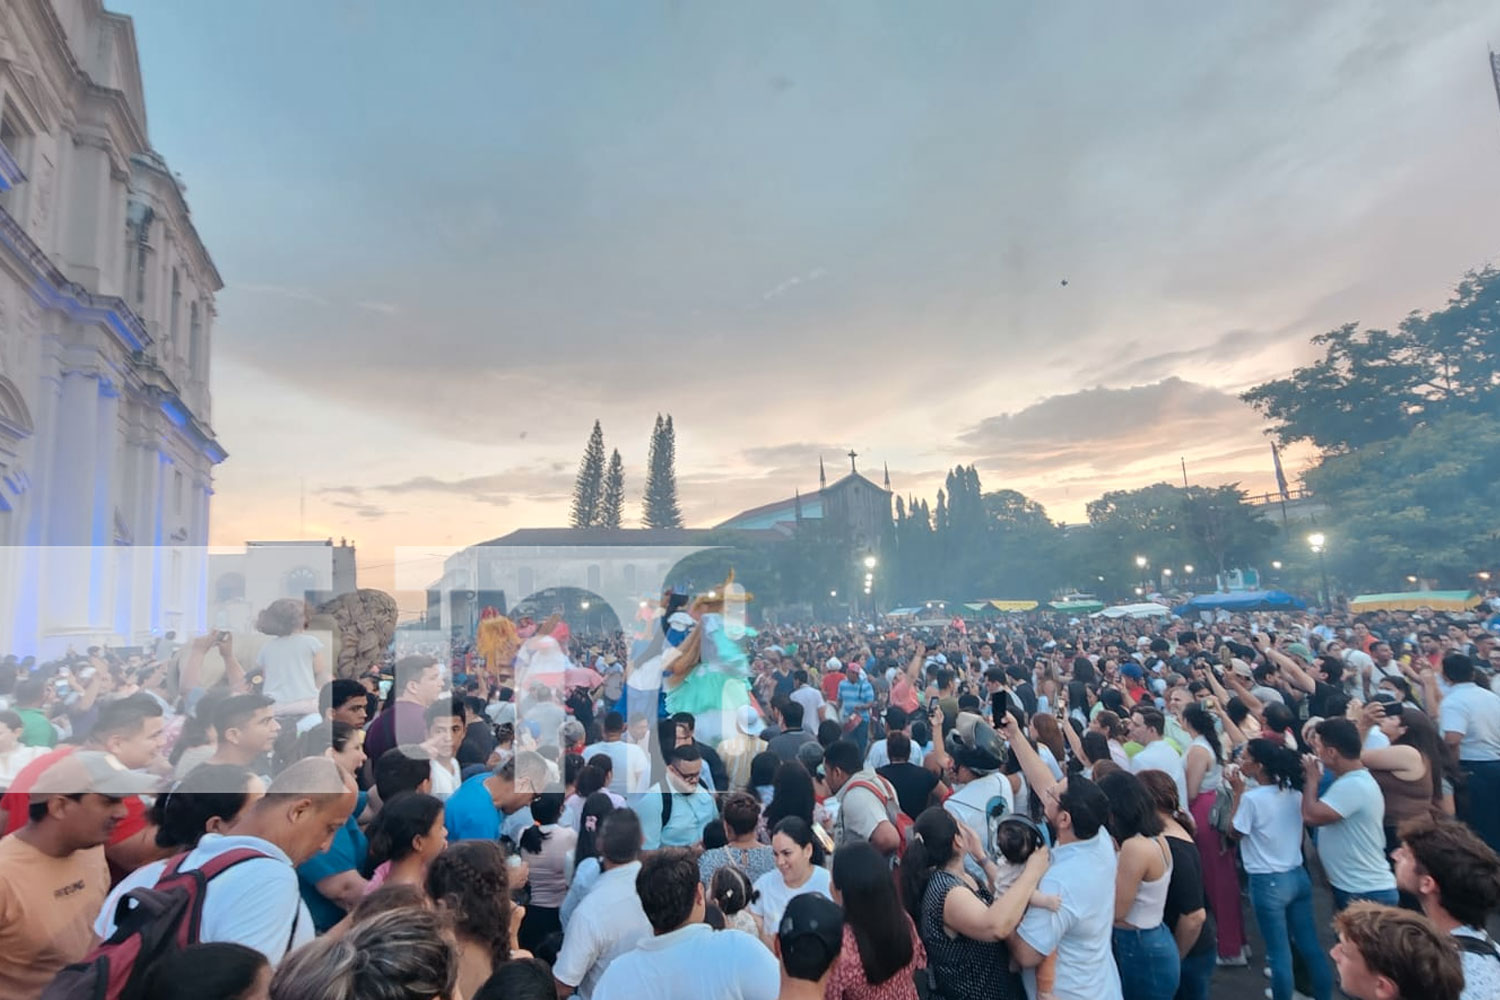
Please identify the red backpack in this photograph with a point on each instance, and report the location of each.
(150, 923)
(887, 796)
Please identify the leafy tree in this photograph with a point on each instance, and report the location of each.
(1421, 505)
(612, 505)
(1376, 385)
(660, 508)
(588, 489)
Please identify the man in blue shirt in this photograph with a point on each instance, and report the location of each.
(674, 814)
(473, 812)
(856, 698)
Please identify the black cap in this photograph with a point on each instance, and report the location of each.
(811, 935)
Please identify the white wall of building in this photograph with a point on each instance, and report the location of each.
(106, 317)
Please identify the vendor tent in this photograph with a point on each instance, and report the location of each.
(1244, 600)
(1076, 607)
(1148, 610)
(1437, 600)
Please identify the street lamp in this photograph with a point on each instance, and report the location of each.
(1483, 575)
(1188, 569)
(1139, 592)
(870, 562)
(1275, 563)
(833, 593)
(1167, 571)
(1317, 541)
(1140, 562)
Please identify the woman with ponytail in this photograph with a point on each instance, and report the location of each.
(586, 862)
(1268, 821)
(1203, 762)
(546, 847)
(405, 837)
(962, 925)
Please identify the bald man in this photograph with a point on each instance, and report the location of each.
(255, 901)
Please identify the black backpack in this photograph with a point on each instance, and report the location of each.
(149, 925)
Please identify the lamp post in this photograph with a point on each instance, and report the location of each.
(1141, 562)
(1317, 541)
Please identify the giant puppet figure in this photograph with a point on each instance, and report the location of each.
(693, 662)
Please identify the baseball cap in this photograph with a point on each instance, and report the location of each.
(1299, 650)
(811, 935)
(1132, 670)
(810, 756)
(91, 772)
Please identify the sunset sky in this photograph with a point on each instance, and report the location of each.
(454, 234)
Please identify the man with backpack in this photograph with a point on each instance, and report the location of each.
(249, 888)
(1456, 876)
(869, 808)
(686, 807)
(53, 874)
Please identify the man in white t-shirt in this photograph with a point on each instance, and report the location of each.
(811, 700)
(1351, 843)
(257, 902)
(686, 959)
(609, 922)
(1470, 722)
(1147, 727)
(632, 768)
(896, 721)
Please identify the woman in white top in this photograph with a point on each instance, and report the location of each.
(1268, 819)
(547, 850)
(795, 874)
(1145, 950)
(1204, 766)
(292, 664)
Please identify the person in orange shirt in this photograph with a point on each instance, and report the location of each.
(53, 876)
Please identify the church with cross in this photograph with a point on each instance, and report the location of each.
(853, 508)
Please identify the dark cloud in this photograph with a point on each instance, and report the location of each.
(369, 511)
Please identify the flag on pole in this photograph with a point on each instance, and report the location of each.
(1286, 494)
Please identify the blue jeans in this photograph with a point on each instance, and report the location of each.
(1197, 972)
(1482, 804)
(1341, 899)
(1148, 961)
(1284, 910)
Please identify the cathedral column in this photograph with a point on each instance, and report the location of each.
(70, 495)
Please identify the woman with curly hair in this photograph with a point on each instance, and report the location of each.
(470, 885)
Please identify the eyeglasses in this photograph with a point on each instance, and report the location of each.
(691, 778)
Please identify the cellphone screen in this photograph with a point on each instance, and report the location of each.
(999, 706)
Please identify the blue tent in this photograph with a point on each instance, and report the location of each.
(1244, 600)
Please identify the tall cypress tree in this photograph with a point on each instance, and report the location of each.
(612, 507)
(660, 509)
(588, 489)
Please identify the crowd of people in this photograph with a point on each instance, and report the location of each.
(1037, 807)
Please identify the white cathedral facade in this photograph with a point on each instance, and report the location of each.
(106, 328)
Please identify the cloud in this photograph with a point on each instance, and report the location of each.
(791, 283)
(384, 308)
(368, 511)
(540, 482)
(1101, 432)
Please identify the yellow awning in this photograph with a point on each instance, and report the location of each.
(1411, 600)
(1013, 605)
